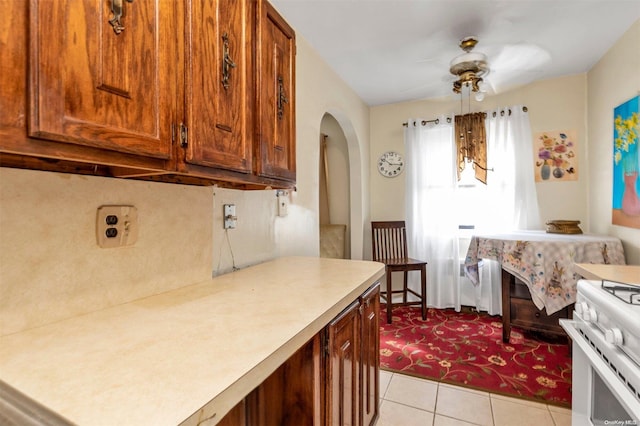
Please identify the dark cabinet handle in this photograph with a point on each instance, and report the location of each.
(117, 8)
(227, 62)
(282, 97)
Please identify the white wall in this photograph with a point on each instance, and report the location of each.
(612, 81)
(320, 91)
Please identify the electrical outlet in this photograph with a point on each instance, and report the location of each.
(117, 226)
(229, 213)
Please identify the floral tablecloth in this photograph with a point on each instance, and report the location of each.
(545, 262)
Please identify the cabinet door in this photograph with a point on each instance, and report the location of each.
(289, 396)
(370, 358)
(101, 83)
(276, 97)
(218, 97)
(343, 393)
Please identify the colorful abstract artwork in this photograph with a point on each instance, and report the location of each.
(626, 164)
(556, 156)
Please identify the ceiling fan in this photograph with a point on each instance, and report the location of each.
(510, 64)
(470, 67)
(484, 69)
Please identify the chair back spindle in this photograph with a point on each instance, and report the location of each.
(389, 240)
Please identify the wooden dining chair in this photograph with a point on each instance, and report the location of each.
(389, 242)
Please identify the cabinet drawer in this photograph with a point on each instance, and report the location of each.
(525, 314)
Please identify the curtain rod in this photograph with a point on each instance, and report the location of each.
(437, 121)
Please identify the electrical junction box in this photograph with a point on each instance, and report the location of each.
(283, 203)
(117, 226)
(229, 213)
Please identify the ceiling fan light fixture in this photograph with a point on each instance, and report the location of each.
(467, 79)
(469, 67)
(472, 61)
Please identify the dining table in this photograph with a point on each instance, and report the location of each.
(543, 261)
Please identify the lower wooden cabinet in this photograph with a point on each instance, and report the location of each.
(290, 395)
(370, 356)
(332, 380)
(343, 365)
(353, 363)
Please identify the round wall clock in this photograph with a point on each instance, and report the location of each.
(390, 164)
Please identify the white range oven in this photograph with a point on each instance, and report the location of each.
(605, 333)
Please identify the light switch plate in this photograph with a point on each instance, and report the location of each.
(117, 226)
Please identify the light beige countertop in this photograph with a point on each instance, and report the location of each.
(184, 355)
(621, 273)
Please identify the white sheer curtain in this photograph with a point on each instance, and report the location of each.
(510, 192)
(430, 182)
(437, 204)
(511, 185)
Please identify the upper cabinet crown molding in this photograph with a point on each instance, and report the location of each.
(167, 91)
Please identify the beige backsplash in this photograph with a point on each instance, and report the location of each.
(50, 265)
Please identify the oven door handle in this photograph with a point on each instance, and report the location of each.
(608, 376)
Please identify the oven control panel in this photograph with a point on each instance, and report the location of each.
(614, 318)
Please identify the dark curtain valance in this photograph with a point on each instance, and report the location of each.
(471, 143)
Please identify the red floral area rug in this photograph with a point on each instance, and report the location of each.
(466, 349)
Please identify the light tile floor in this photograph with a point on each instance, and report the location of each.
(408, 401)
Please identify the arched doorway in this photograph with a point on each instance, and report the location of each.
(335, 190)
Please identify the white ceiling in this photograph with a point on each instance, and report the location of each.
(399, 50)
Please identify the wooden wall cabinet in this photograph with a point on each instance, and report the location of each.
(65, 109)
(332, 380)
(276, 155)
(91, 86)
(167, 92)
(219, 74)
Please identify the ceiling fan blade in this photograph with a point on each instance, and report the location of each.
(519, 57)
(515, 64)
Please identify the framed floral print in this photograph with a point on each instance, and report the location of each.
(556, 156)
